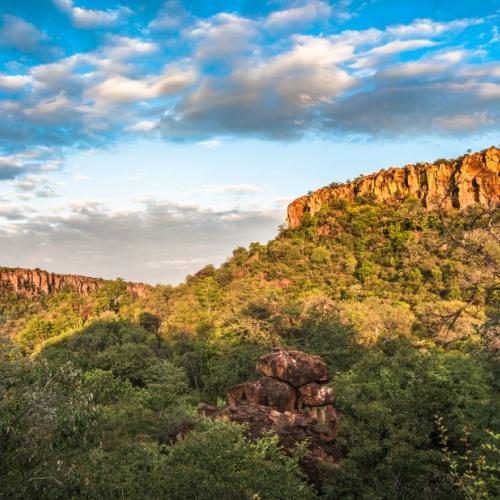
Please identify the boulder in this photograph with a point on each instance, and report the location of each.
(295, 367)
(265, 391)
(315, 395)
(318, 425)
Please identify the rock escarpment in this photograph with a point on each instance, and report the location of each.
(35, 282)
(471, 180)
(291, 400)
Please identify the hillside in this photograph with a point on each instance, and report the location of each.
(392, 279)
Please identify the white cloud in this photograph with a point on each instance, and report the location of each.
(210, 144)
(489, 90)
(430, 28)
(144, 126)
(16, 32)
(52, 106)
(398, 46)
(120, 89)
(373, 57)
(299, 16)
(14, 82)
(118, 48)
(290, 84)
(223, 37)
(89, 18)
(464, 122)
(171, 16)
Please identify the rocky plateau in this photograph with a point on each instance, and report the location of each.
(473, 179)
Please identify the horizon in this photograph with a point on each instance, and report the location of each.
(150, 140)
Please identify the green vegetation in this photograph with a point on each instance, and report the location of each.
(98, 394)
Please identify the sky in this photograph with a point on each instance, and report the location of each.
(147, 139)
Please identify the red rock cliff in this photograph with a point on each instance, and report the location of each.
(470, 180)
(35, 282)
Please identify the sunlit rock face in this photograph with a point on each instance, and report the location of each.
(35, 282)
(295, 367)
(471, 180)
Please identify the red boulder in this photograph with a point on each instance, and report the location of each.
(265, 391)
(295, 367)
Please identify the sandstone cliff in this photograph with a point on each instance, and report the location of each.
(35, 282)
(470, 180)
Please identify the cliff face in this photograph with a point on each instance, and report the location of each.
(473, 179)
(34, 282)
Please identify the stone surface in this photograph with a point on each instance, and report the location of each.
(265, 391)
(317, 424)
(35, 282)
(315, 395)
(295, 367)
(470, 180)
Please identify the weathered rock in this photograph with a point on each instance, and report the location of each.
(35, 282)
(319, 425)
(315, 395)
(325, 422)
(295, 367)
(265, 391)
(473, 179)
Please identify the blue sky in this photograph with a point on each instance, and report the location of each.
(145, 139)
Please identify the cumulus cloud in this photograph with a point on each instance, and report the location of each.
(298, 16)
(119, 89)
(374, 56)
(167, 243)
(89, 18)
(18, 33)
(290, 85)
(14, 82)
(171, 16)
(428, 27)
(223, 37)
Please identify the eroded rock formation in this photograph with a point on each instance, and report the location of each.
(35, 282)
(291, 399)
(471, 180)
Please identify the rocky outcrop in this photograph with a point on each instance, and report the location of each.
(291, 400)
(295, 367)
(266, 391)
(471, 180)
(35, 282)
